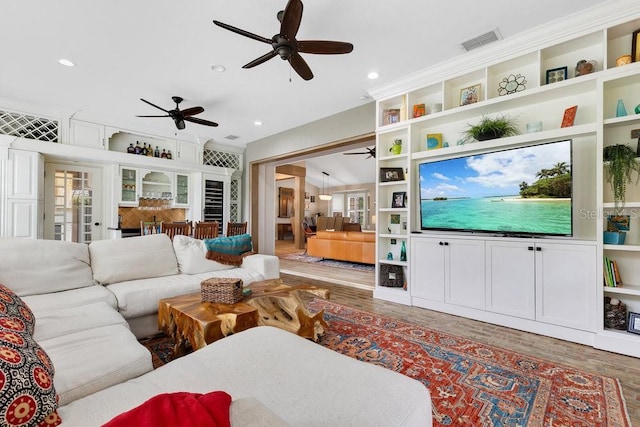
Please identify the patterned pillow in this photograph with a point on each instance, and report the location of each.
(12, 305)
(229, 250)
(27, 394)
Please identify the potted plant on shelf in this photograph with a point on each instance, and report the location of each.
(396, 147)
(620, 165)
(491, 128)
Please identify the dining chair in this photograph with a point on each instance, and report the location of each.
(206, 230)
(236, 228)
(173, 228)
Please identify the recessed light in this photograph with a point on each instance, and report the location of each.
(373, 75)
(219, 68)
(257, 123)
(66, 62)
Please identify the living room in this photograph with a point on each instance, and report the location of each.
(263, 154)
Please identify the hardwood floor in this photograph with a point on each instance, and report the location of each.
(356, 290)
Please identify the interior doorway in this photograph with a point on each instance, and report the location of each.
(73, 203)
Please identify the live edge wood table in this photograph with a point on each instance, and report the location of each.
(186, 318)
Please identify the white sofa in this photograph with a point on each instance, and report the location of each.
(91, 302)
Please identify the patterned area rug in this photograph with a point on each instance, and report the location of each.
(328, 262)
(471, 384)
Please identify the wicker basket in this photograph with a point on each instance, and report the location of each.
(221, 290)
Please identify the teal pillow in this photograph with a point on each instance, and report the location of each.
(229, 250)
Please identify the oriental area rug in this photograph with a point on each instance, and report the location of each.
(471, 384)
(328, 262)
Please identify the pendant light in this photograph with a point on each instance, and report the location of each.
(324, 196)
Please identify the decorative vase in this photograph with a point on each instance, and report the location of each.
(403, 252)
(620, 110)
(396, 148)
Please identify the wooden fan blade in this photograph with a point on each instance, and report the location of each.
(324, 47)
(200, 121)
(300, 66)
(153, 105)
(166, 115)
(242, 32)
(192, 111)
(291, 19)
(263, 58)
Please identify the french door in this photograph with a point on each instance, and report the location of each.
(73, 203)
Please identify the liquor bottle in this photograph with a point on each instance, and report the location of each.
(169, 155)
(403, 252)
(164, 154)
(131, 149)
(157, 152)
(138, 148)
(149, 151)
(144, 149)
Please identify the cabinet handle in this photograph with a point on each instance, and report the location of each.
(530, 248)
(446, 243)
(440, 243)
(539, 249)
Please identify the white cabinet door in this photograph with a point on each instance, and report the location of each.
(23, 218)
(25, 175)
(427, 269)
(188, 152)
(566, 285)
(464, 272)
(87, 134)
(511, 278)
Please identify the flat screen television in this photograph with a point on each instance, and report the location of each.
(520, 191)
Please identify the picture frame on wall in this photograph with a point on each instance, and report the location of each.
(470, 95)
(391, 174)
(555, 75)
(635, 46)
(399, 199)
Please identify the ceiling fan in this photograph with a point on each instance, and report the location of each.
(370, 151)
(180, 116)
(285, 43)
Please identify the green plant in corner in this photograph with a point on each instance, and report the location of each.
(620, 164)
(490, 128)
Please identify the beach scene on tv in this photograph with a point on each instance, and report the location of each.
(525, 190)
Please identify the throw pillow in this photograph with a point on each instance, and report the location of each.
(229, 250)
(27, 394)
(192, 256)
(12, 305)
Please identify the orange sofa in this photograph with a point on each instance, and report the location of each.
(353, 246)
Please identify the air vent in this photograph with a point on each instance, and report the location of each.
(231, 137)
(481, 40)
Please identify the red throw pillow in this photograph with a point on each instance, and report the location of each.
(178, 409)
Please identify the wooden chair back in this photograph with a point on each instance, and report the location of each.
(351, 226)
(150, 227)
(206, 230)
(236, 228)
(173, 228)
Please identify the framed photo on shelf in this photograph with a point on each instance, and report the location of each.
(633, 323)
(419, 110)
(399, 199)
(569, 117)
(556, 75)
(635, 46)
(391, 116)
(470, 95)
(391, 276)
(391, 174)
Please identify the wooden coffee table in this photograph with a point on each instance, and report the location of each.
(186, 318)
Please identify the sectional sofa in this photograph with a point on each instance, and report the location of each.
(353, 246)
(91, 302)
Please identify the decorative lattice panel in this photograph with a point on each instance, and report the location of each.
(221, 159)
(28, 126)
(234, 194)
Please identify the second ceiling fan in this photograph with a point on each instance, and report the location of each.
(285, 44)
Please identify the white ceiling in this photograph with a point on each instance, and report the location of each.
(125, 50)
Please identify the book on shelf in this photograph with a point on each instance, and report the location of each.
(611, 272)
